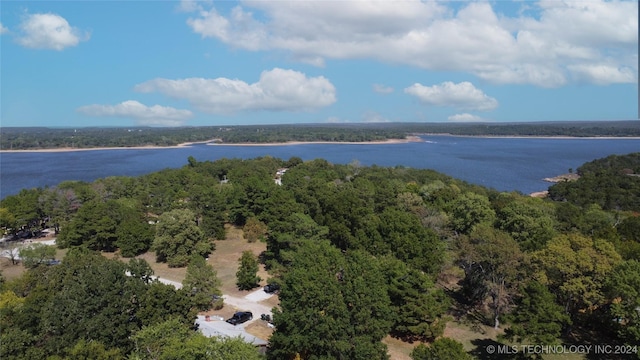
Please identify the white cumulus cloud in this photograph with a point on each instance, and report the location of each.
(276, 90)
(3, 29)
(49, 31)
(603, 74)
(465, 117)
(540, 46)
(462, 95)
(144, 115)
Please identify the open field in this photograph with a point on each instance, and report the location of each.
(225, 260)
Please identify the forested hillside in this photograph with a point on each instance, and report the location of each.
(361, 254)
(613, 183)
(48, 138)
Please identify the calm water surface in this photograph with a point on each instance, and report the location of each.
(505, 164)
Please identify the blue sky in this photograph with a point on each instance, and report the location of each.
(172, 63)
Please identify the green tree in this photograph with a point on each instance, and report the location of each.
(89, 291)
(24, 209)
(254, 230)
(419, 307)
(35, 254)
(134, 236)
(246, 277)
(93, 226)
(202, 284)
(537, 317)
(470, 209)
(151, 341)
(178, 237)
(409, 240)
(629, 244)
(494, 268)
(529, 221)
(172, 339)
(140, 269)
(93, 350)
(344, 303)
(7, 219)
(623, 288)
(161, 301)
(575, 268)
(209, 204)
(443, 348)
(286, 235)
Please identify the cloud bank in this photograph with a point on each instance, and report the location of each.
(276, 90)
(549, 44)
(144, 115)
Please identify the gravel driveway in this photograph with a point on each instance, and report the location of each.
(250, 303)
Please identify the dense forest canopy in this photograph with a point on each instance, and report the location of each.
(361, 253)
(43, 138)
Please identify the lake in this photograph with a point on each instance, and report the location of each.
(505, 164)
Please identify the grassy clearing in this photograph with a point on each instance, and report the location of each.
(225, 260)
(398, 349)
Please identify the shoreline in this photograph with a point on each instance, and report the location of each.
(213, 142)
(408, 139)
(558, 137)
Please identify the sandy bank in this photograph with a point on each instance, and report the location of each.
(563, 177)
(69, 149)
(408, 139)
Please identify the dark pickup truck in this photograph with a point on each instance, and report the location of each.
(240, 317)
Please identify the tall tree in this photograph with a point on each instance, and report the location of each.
(94, 226)
(343, 301)
(285, 236)
(246, 277)
(202, 284)
(418, 306)
(178, 237)
(537, 317)
(494, 267)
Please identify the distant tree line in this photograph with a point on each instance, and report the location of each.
(14, 138)
(360, 253)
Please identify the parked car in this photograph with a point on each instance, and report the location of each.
(240, 317)
(271, 288)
